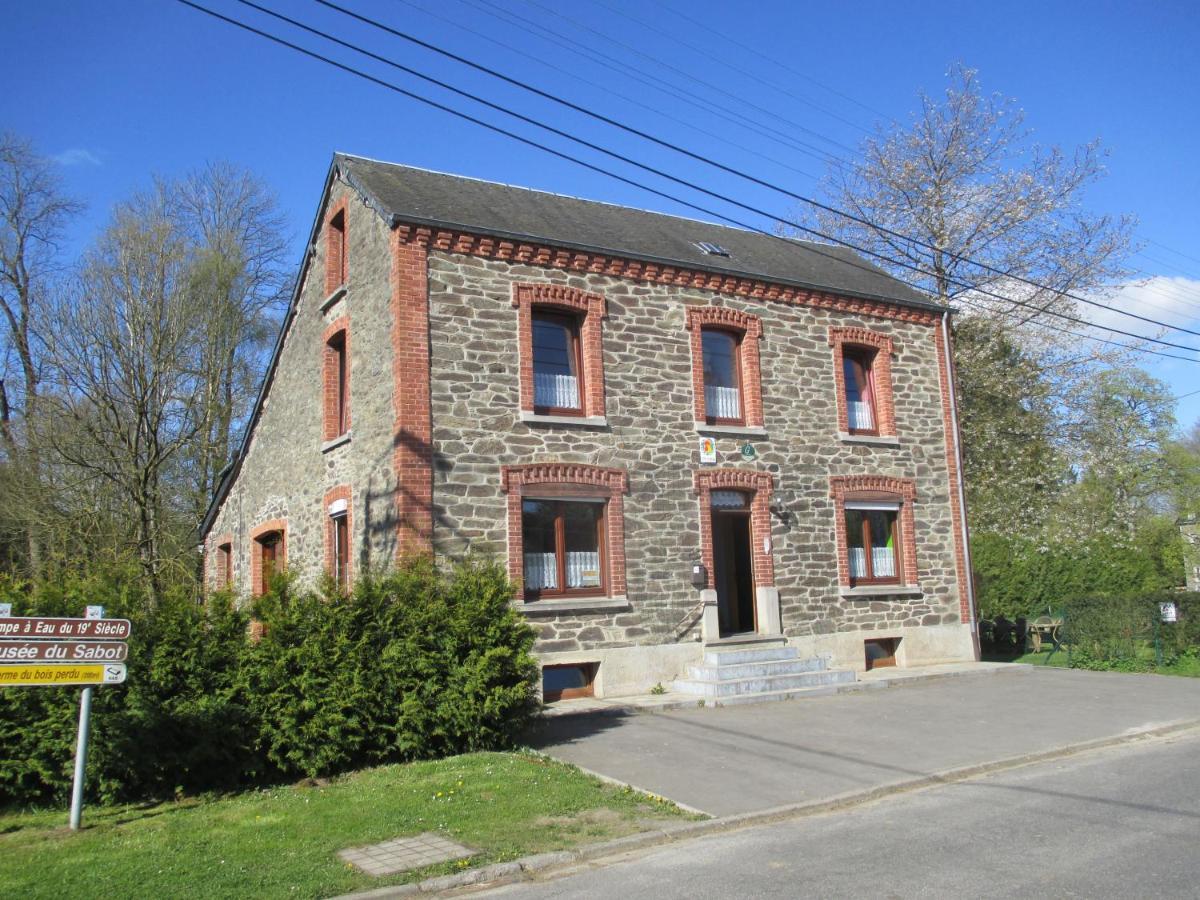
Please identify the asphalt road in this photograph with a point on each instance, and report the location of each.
(1121, 822)
(745, 758)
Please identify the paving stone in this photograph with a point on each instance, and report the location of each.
(402, 854)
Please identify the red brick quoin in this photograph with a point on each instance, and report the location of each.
(749, 329)
(759, 485)
(591, 309)
(413, 442)
(884, 489)
(339, 328)
(573, 479)
(885, 408)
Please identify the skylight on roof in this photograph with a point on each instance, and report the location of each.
(712, 249)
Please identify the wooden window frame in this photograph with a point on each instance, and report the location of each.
(340, 528)
(335, 377)
(747, 328)
(560, 548)
(876, 489)
(854, 341)
(589, 311)
(864, 359)
(891, 644)
(588, 690)
(262, 539)
(737, 337)
(895, 535)
(574, 325)
(579, 481)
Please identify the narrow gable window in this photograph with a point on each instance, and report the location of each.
(335, 250)
(336, 377)
(557, 364)
(722, 377)
(224, 565)
(270, 559)
(341, 550)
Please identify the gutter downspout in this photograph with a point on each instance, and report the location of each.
(962, 493)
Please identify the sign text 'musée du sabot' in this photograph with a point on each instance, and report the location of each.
(62, 651)
(34, 627)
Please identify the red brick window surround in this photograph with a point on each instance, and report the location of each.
(561, 350)
(337, 269)
(268, 553)
(862, 372)
(758, 485)
(879, 503)
(576, 515)
(727, 386)
(338, 530)
(335, 378)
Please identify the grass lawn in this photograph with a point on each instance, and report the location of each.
(282, 842)
(1187, 666)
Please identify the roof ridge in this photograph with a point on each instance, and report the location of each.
(533, 190)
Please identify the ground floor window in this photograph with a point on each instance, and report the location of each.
(568, 681)
(341, 550)
(872, 540)
(270, 554)
(563, 544)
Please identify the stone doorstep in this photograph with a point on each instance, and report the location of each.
(402, 854)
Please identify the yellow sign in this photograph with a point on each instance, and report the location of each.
(44, 675)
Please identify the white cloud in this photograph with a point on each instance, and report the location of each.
(77, 156)
(1172, 300)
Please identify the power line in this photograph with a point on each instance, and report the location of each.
(735, 172)
(640, 185)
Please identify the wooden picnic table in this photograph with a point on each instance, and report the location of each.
(1043, 628)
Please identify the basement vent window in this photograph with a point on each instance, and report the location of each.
(568, 682)
(712, 249)
(881, 652)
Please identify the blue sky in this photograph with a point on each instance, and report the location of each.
(119, 90)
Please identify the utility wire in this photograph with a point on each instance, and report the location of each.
(737, 173)
(640, 185)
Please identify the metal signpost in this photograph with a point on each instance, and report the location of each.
(38, 651)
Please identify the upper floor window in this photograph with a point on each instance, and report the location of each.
(726, 386)
(863, 376)
(561, 353)
(557, 364)
(858, 374)
(722, 378)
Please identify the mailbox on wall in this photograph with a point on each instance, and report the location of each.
(699, 576)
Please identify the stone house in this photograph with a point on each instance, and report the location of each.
(694, 445)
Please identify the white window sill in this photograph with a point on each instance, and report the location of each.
(574, 607)
(880, 440)
(585, 421)
(747, 430)
(880, 590)
(338, 293)
(335, 442)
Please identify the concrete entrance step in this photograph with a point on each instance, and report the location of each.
(752, 670)
(721, 689)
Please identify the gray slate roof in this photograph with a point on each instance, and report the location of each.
(422, 197)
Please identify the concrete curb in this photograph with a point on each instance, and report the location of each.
(526, 867)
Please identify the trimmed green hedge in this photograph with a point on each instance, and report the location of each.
(414, 664)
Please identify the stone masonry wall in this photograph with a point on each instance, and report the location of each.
(287, 471)
(650, 433)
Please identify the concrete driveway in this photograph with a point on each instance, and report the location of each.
(743, 759)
